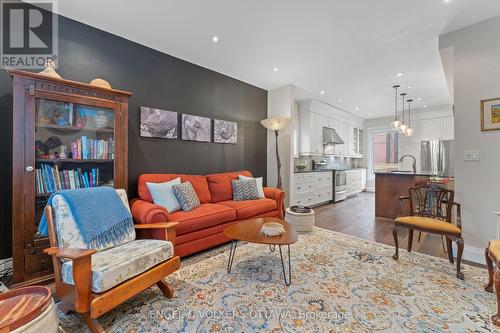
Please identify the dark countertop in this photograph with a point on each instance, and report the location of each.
(402, 173)
(326, 170)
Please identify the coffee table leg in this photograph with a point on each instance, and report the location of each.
(232, 251)
(289, 281)
(272, 247)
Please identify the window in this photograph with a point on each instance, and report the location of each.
(385, 150)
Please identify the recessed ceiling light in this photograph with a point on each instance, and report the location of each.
(322, 92)
(410, 86)
(446, 1)
(339, 100)
(425, 105)
(400, 74)
(275, 69)
(356, 108)
(215, 39)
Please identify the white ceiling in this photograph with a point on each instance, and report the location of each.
(351, 49)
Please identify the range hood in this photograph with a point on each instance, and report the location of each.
(331, 137)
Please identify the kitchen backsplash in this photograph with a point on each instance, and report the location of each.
(327, 162)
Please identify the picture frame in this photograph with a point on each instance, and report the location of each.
(196, 128)
(490, 114)
(225, 131)
(157, 123)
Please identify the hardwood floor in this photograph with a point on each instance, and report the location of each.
(356, 217)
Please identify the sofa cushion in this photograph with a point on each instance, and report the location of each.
(205, 216)
(163, 194)
(260, 182)
(68, 234)
(245, 190)
(187, 196)
(220, 185)
(250, 208)
(120, 263)
(199, 183)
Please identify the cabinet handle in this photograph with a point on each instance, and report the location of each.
(29, 168)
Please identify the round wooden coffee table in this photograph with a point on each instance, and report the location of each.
(249, 231)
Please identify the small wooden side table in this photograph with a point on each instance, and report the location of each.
(301, 221)
(28, 310)
(249, 231)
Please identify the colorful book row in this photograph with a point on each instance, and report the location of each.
(85, 148)
(50, 179)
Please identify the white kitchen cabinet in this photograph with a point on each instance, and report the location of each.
(312, 188)
(363, 179)
(313, 116)
(310, 139)
(437, 129)
(354, 181)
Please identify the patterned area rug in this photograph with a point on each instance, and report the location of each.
(339, 284)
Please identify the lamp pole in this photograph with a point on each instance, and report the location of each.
(278, 162)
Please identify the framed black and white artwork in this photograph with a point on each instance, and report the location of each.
(225, 131)
(195, 128)
(156, 123)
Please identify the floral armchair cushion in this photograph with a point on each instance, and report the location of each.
(115, 265)
(69, 236)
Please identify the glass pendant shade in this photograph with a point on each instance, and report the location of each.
(409, 130)
(395, 124)
(402, 128)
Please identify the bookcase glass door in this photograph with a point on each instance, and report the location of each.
(74, 148)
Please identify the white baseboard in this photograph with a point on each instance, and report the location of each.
(474, 254)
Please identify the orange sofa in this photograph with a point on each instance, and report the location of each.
(202, 228)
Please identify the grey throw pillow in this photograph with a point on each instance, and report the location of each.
(245, 190)
(187, 196)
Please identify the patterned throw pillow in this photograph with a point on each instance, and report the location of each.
(245, 190)
(187, 196)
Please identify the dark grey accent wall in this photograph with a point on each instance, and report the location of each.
(156, 80)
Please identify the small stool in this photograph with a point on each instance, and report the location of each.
(34, 311)
(301, 221)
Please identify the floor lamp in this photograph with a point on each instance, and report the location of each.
(276, 124)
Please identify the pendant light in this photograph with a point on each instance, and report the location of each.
(396, 123)
(403, 126)
(409, 130)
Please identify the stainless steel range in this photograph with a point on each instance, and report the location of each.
(339, 185)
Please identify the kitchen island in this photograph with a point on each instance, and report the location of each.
(389, 186)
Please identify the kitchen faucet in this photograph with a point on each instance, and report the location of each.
(414, 162)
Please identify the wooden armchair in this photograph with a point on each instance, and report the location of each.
(431, 210)
(94, 281)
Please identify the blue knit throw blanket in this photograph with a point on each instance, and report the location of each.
(99, 213)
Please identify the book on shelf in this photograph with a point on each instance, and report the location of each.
(50, 179)
(87, 148)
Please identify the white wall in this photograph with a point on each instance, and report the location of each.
(476, 52)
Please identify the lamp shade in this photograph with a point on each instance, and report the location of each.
(275, 123)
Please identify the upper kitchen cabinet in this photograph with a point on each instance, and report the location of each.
(310, 137)
(437, 129)
(313, 116)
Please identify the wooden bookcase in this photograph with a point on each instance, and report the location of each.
(66, 134)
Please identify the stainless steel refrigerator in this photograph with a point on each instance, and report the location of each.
(437, 157)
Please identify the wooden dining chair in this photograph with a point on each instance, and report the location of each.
(492, 255)
(431, 210)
